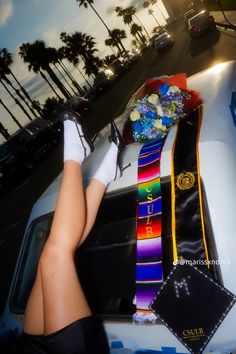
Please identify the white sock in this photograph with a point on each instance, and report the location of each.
(75, 147)
(108, 170)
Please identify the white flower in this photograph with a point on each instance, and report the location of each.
(159, 110)
(173, 89)
(134, 115)
(153, 99)
(158, 125)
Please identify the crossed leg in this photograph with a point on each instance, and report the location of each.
(35, 322)
(57, 300)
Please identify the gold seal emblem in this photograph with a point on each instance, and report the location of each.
(185, 180)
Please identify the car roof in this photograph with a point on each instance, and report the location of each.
(217, 161)
(216, 129)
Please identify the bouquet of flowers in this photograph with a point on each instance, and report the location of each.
(159, 104)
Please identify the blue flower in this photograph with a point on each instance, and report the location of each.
(137, 126)
(163, 89)
(167, 121)
(151, 114)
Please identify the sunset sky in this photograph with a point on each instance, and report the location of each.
(27, 20)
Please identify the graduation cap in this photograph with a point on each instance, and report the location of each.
(192, 305)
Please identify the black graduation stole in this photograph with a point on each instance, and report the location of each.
(188, 231)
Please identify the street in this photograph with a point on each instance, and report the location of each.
(187, 55)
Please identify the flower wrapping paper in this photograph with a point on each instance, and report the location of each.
(157, 105)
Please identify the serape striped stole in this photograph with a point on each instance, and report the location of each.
(149, 272)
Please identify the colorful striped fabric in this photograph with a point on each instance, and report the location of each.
(149, 273)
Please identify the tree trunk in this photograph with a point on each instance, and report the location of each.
(99, 17)
(24, 92)
(57, 82)
(161, 12)
(16, 100)
(4, 131)
(60, 73)
(142, 25)
(156, 20)
(13, 117)
(74, 82)
(20, 96)
(84, 77)
(49, 84)
(122, 46)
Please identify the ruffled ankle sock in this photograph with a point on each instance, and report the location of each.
(108, 170)
(76, 147)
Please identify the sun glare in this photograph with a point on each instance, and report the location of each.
(217, 68)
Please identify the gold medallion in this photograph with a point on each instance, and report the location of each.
(185, 180)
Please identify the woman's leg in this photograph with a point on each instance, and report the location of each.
(34, 314)
(63, 299)
(56, 267)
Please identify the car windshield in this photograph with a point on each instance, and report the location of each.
(161, 37)
(198, 18)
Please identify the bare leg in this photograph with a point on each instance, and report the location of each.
(57, 294)
(34, 318)
(93, 195)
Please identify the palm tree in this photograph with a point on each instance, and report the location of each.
(63, 53)
(150, 12)
(82, 45)
(49, 84)
(115, 40)
(4, 79)
(5, 62)
(127, 15)
(132, 10)
(136, 30)
(154, 2)
(12, 116)
(85, 3)
(49, 107)
(54, 59)
(39, 58)
(3, 130)
(106, 62)
(146, 4)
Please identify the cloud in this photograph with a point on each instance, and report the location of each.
(52, 38)
(6, 10)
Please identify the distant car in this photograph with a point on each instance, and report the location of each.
(130, 59)
(23, 149)
(117, 67)
(163, 41)
(189, 14)
(144, 47)
(155, 35)
(102, 82)
(201, 23)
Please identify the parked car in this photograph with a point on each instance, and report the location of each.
(108, 255)
(102, 82)
(163, 41)
(201, 23)
(117, 67)
(23, 149)
(189, 14)
(130, 59)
